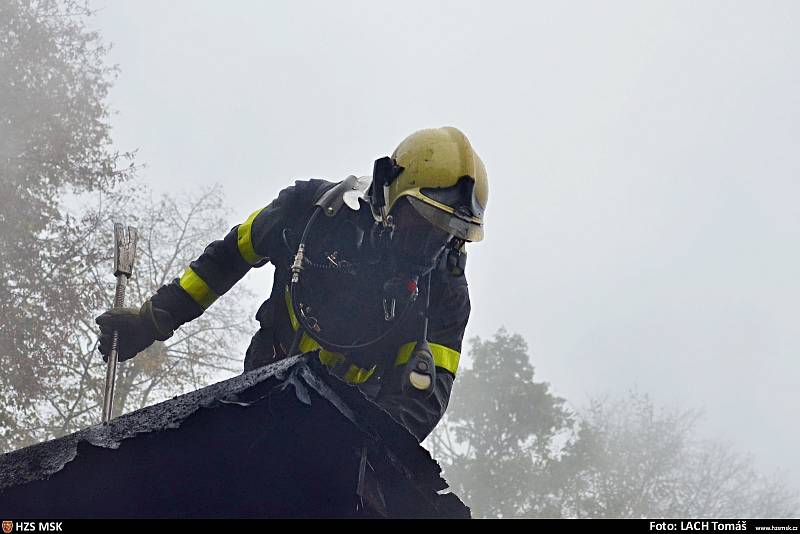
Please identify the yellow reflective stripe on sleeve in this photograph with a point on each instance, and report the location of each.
(245, 240)
(443, 357)
(197, 288)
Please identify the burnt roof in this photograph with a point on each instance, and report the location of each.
(287, 440)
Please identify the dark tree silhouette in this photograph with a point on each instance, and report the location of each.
(59, 191)
(512, 449)
(54, 141)
(502, 430)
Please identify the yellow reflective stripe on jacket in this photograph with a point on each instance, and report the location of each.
(331, 359)
(287, 296)
(307, 343)
(245, 240)
(197, 288)
(357, 375)
(443, 357)
(354, 374)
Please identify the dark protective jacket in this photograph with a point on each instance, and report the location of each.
(344, 287)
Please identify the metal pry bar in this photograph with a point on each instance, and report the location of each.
(124, 255)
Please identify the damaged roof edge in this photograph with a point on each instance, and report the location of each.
(395, 448)
(43, 459)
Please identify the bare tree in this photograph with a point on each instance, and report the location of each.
(172, 233)
(633, 459)
(54, 140)
(512, 449)
(59, 178)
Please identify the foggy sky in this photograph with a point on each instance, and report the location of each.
(643, 218)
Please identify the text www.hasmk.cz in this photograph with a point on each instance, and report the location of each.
(713, 525)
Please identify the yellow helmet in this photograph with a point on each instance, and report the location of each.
(443, 178)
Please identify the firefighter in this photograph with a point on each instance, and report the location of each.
(369, 276)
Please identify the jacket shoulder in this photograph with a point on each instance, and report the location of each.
(304, 191)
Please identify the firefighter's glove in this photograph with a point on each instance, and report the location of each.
(138, 329)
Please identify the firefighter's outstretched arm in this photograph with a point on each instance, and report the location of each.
(203, 281)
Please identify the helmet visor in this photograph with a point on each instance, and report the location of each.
(452, 223)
